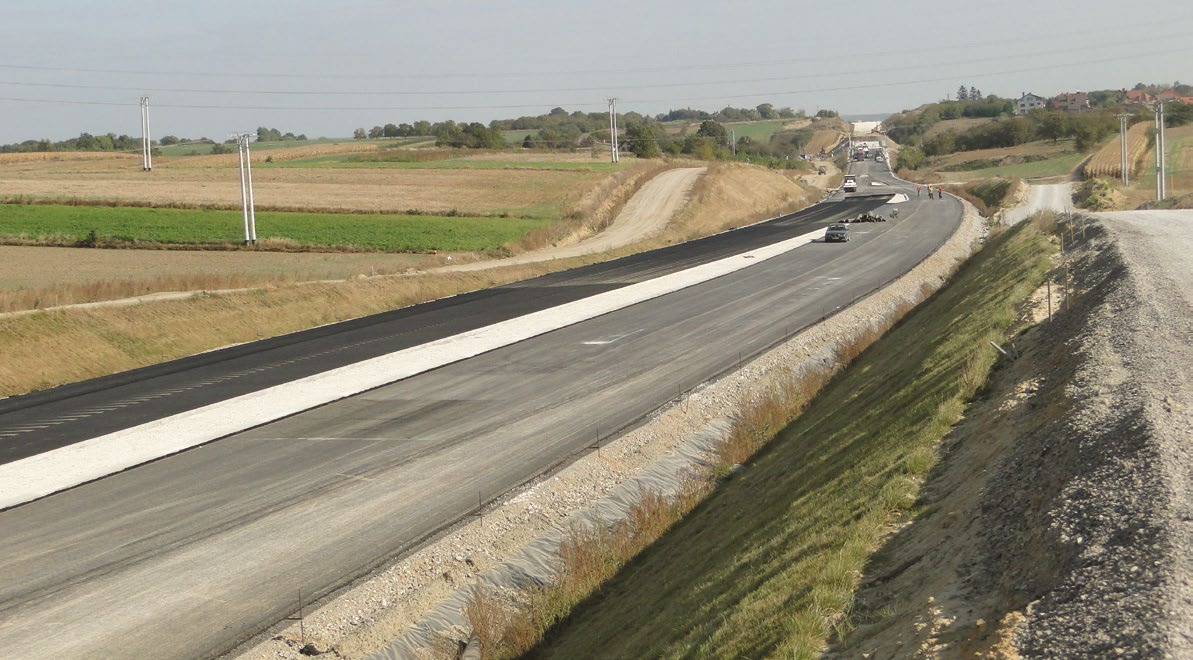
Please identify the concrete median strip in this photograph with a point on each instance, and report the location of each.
(37, 476)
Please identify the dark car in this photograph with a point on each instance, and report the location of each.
(837, 233)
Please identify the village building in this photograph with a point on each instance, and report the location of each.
(1029, 102)
(1071, 102)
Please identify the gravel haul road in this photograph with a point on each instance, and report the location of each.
(1089, 541)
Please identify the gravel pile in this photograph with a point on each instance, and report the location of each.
(1088, 523)
(384, 607)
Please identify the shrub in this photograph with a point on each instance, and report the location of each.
(1095, 195)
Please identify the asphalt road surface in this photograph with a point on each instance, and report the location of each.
(193, 554)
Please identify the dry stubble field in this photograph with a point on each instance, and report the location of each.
(215, 180)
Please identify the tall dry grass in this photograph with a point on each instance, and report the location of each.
(50, 348)
(1107, 162)
(509, 625)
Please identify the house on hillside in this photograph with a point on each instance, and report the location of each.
(1029, 102)
(1170, 96)
(1071, 102)
(1138, 97)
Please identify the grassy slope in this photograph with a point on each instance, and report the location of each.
(392, 233)
(759, 131)
(773, 556)
(956, 125)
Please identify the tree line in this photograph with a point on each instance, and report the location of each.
(113, 142)
(560, 129)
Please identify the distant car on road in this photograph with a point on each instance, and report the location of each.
(836, 233)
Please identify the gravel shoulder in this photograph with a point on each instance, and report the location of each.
(1058, 522)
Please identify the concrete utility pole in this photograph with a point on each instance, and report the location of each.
(1161, 186)
(614, 150)
(146, 150)
(246, 187)
(733, 141)
(1122, 131)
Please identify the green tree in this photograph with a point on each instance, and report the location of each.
(643, 140)
(711, 129)
(359, 134)
(86, 142)
(962, 93)
(390, 130)
(1052, 125)
(767, 111)
(376, 132)
(911, 158)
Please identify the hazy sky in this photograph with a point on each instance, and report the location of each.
(325, 68)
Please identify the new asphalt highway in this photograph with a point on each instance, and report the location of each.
(192, 554)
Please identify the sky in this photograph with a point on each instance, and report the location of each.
(324, 68)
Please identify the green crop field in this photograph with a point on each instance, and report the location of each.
(72, 225)
(759, 131)
(516, 137)
(1058, 166)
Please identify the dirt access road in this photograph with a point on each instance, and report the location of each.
(647, 213)
(1055, 197)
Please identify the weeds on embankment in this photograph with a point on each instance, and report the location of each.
(768, 562)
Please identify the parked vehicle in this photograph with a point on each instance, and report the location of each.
(836, 233)
(849, 184)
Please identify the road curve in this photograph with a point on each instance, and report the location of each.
(190, 555)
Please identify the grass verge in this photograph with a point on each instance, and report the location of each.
(767, 564)
(988, 195)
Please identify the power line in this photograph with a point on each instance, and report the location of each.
(836, 57)
(670, 85)
(523, 106)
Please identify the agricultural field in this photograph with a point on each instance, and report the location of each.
(529, 186)
(516, 137)
(758, 131)
(1179, 165)
(955, 126)
(402, 160)
(99, 226)
(1026, 161)
(1106, 162)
